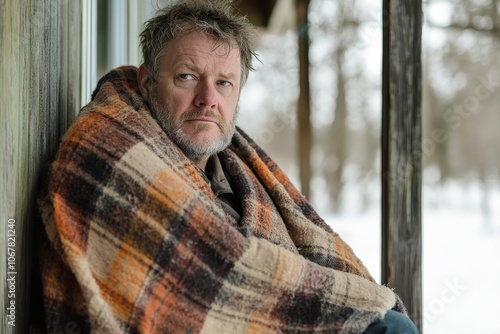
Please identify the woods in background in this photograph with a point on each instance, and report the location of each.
(461, 92)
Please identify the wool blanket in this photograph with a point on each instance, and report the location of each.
(137, 242)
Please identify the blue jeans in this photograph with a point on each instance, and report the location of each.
(393, 323)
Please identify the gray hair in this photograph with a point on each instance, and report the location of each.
(216, 18)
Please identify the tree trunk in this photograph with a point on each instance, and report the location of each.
(304, 108)
(339, 134)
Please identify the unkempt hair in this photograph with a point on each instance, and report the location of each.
(216, 18)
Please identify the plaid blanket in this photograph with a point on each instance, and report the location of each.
(136, 241)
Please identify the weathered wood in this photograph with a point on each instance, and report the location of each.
(401, 153)
(304, 102)
(40, 75)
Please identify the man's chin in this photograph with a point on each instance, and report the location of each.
(201, 147)
(205, 132)
(199, 143)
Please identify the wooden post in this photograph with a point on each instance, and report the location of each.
(401, 153)
(40, 74)
(304, 108)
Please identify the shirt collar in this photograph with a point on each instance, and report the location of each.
(215, 173)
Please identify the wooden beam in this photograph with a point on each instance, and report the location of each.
(304, 108)
(41, 73)
(401, 153)
(258, 12)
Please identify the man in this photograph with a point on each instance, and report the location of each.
(161, 216)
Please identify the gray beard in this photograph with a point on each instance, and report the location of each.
(192, 150)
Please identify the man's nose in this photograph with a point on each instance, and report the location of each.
(206, 96)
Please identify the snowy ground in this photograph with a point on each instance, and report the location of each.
(461, 250)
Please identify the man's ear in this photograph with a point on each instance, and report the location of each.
(144, 81)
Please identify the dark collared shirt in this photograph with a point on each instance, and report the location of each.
(219, 181)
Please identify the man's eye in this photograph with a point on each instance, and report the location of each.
(224, 83)
(186, 76)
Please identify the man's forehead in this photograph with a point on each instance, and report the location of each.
(193, 49)
(218, 46)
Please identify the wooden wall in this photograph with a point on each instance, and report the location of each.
(40, 43)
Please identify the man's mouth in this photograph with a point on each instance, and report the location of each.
(202, 119)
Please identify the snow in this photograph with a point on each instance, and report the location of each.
(461, 246)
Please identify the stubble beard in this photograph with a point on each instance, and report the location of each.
(193, 149)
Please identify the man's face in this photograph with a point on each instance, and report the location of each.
(195, 98)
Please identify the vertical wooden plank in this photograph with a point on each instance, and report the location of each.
(304, 108)
(401, 155)
(8, 47)
(40, 96)
(15, 121)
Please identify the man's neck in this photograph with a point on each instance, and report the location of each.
(201, 162)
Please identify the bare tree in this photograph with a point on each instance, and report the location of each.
(336, 140)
